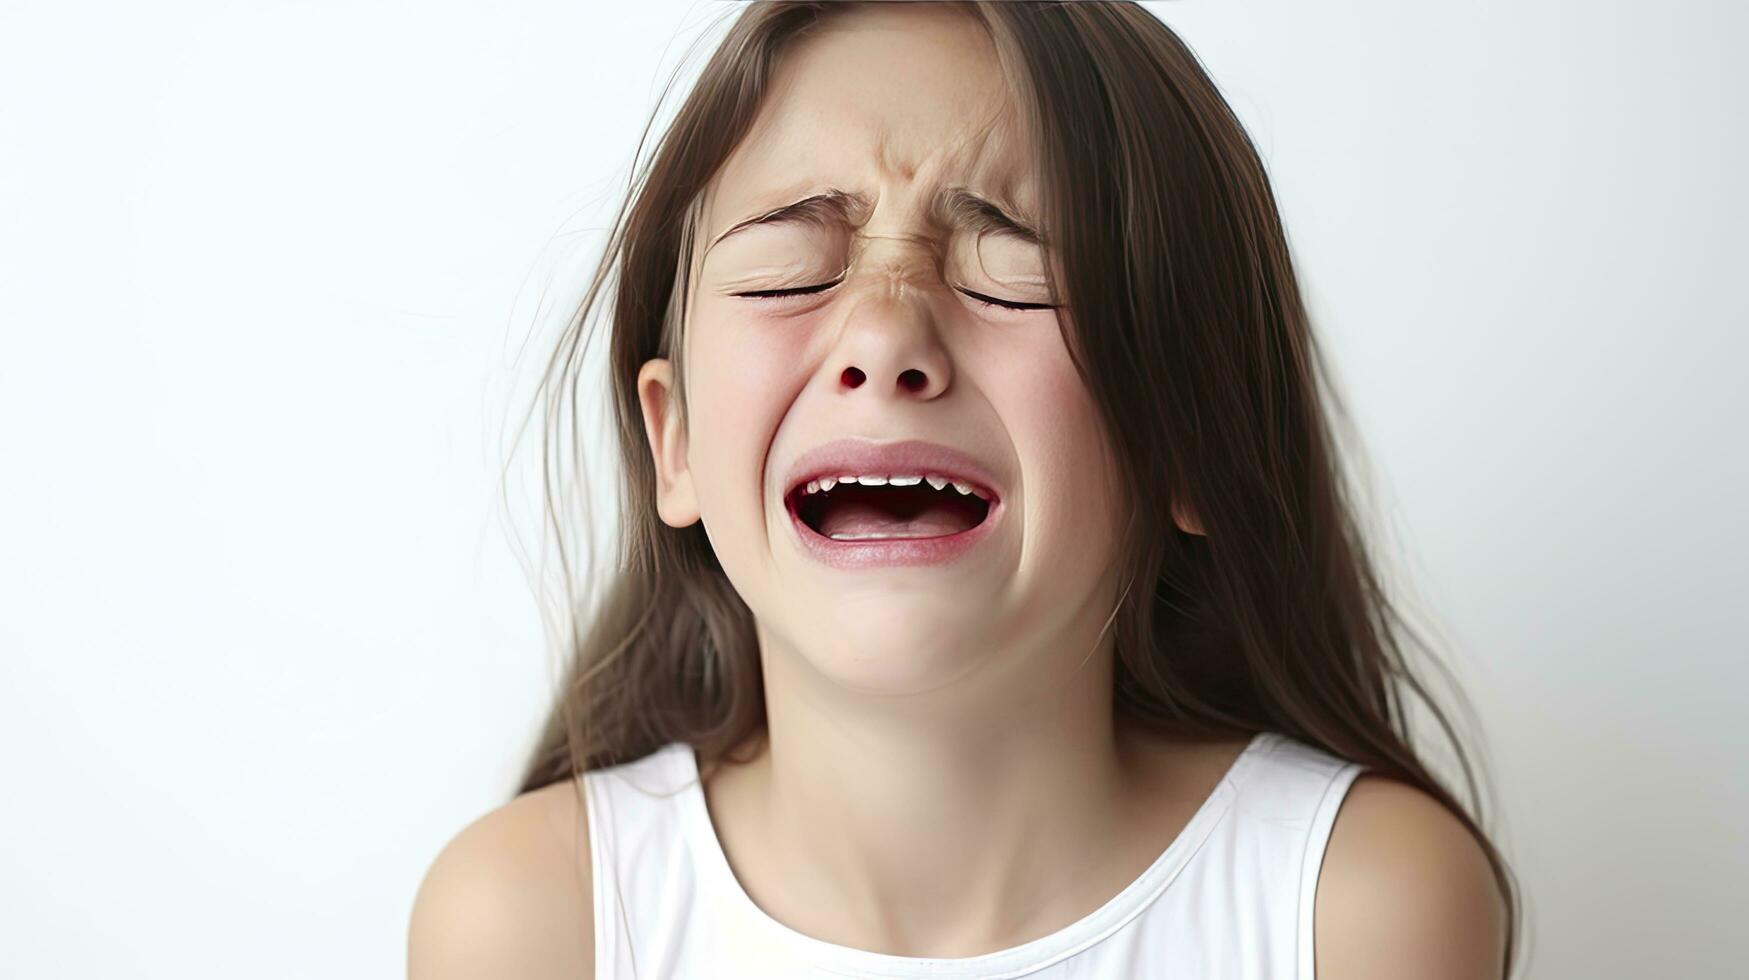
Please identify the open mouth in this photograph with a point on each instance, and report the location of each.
(874, 508)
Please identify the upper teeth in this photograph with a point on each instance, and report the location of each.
(935, 480)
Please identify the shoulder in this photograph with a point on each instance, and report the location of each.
(509, 895)
(1405, 890)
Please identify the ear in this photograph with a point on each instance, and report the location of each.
(676, 500)
(1186, 519)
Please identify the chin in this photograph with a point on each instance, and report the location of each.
(903, 646)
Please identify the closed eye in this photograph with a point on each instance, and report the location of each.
(807, 290)
(1005, 304)
(780, 293)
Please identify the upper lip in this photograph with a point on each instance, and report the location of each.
(910, 457)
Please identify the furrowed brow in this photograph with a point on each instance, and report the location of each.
(953, 207)
(958, 207)
(830, 207)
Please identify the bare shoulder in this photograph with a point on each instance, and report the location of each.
(509, 895)
(1405, 891)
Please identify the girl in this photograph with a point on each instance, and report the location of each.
(990, 601)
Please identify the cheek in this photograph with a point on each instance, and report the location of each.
(741, 377)
(1069, 500)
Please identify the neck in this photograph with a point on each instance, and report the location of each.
(974, 817)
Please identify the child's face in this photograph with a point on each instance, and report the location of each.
(895, 103)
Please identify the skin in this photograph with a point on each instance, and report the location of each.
(975, 698)
(943, 775)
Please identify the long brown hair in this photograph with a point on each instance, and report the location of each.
(1197, 349)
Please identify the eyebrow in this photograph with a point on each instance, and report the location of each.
(955, 207)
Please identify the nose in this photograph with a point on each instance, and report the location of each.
(910, 380)
(892, 349)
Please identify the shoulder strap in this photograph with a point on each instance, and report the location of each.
(1312, 860)
(631, 818)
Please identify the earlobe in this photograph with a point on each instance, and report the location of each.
(1186, 519)
(676, 501)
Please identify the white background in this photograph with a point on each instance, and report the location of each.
(265, 269)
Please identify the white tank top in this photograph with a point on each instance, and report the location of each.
(1230, 897)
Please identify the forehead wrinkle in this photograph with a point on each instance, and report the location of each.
(885, 160)
(977, 154)
(952, 208)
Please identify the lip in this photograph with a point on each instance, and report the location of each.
(909, 456)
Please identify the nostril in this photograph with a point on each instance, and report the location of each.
(852, 376)
(912, 379)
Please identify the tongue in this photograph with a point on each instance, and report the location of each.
(858, 519)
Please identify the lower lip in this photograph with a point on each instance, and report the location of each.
(872, 553)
